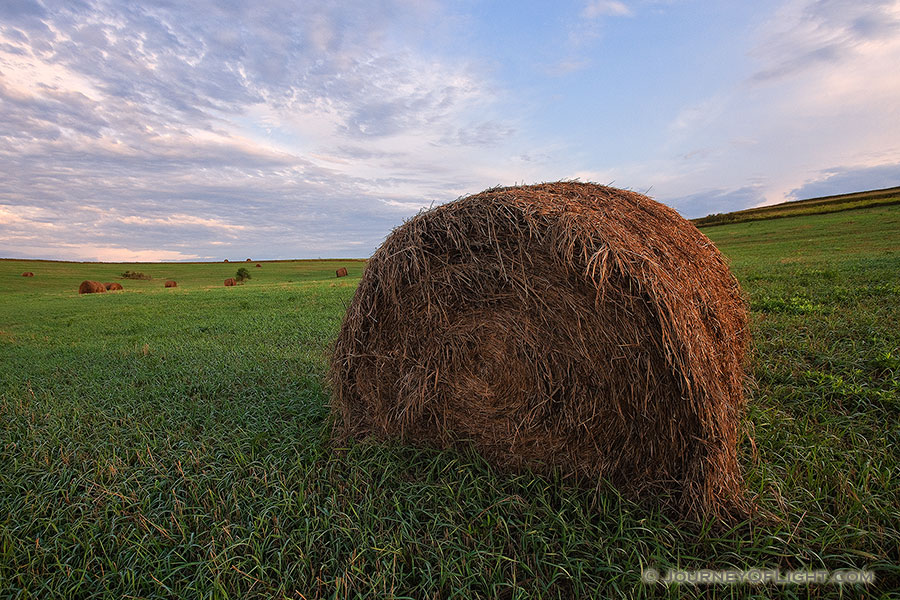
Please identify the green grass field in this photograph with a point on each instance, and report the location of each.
(175, 443)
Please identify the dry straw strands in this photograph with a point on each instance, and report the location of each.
(563, 326)
(91, 287)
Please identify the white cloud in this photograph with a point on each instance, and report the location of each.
(122, 254)
(180, 220)
(407, 206)
(606, 8)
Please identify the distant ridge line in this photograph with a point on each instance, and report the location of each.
(808, 206)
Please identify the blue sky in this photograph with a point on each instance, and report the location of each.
(208, 130)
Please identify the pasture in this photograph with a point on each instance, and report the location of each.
(176, 443)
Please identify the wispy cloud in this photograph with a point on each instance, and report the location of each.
(605, 8)
(818, 93)
(807, 35)
(227, 119)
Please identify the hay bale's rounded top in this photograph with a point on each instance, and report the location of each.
(594, 230)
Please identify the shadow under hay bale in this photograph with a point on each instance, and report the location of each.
(27, 274)
(563, 326)
(170, 283)
(114, 286)
(342, 272)
(91, 287)
(230, 282)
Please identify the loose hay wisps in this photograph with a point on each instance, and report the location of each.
(565, 326)
(91, 287)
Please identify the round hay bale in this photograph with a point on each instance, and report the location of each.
(170, 283)
(91, 287)
(226, 260)
(230, 282)
(248, 260)
(258, 265)
(342, 272)
(565, 327)
(114, 286)
(27, 274)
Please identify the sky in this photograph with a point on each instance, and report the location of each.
(202, 130)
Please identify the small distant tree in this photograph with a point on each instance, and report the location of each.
(242, 274)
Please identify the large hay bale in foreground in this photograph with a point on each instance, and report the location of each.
(113, 286)
(91, 287)
(342, 272)
(563, 326)
(230, 282)
(27, 274)
(170, 283)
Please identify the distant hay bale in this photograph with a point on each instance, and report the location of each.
(114, 286)
(248, 260)
(342, 272)
(226, 260)
(27, 274)
(565, 327)
(230, 282)
(170, 283)
(258, 265)
(91, 287)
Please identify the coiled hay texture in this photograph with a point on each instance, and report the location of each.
(91, 287)
(564, 326)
